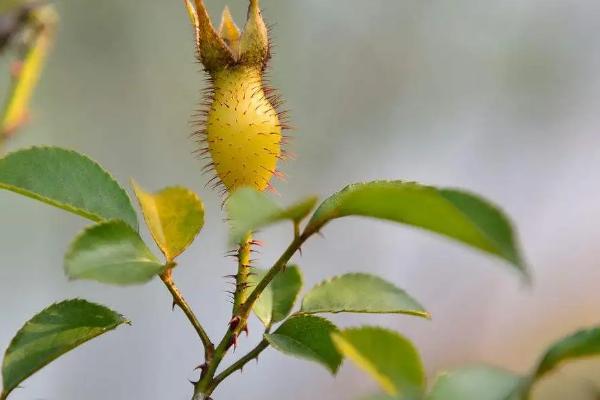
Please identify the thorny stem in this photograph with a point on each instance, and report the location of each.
(243, 273)
(207, 385)
(209, 347)
(279, 265)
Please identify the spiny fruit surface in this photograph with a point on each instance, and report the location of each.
(241, 127)
(243, 130)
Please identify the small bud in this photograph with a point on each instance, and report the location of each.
(212, 50)
(230, 33)
(255, 39)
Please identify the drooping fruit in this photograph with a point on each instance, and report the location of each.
(241, 129)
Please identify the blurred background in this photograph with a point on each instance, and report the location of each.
(501, 98)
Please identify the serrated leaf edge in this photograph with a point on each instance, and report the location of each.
(519, 262)
(385, 383)
(424, 313)
(75, 210)
(315, 224)
(20, 332)
(316, 359)
(188, 192)
(87, 229)
(297, 295)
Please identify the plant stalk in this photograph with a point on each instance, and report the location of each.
(209, 347)
(42, 22)
(207, 385)
(239, 364)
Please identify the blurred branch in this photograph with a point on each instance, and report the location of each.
(37, 30)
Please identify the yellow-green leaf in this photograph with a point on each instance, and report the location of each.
(475, 383)
(389, 358)
(174, 215)
(249, 209)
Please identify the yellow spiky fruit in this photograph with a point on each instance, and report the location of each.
(241, 127)
(243, 131)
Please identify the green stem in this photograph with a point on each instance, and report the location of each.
(3, 396)
(209, 347)
(239, 364)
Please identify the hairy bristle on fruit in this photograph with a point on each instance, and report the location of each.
(240, 121)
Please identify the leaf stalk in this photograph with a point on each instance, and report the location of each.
(179, 300)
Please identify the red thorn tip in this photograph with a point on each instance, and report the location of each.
(280, 175)
(271, 189)
(235, 321)
(234, 343)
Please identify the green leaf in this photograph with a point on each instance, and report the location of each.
(475, 383)
(277, 300)
(307, 337)
(67, 180)
(360, 293)
(111, 252)
(585, 343)
(174, 216)
(50, 334)
(458, 215)
(250, 210)
(388, 357)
